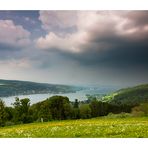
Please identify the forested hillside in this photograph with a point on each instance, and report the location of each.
(132, 96)
(13, 88)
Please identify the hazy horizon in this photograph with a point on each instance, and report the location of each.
(107, 48)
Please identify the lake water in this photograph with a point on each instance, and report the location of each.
(34, 98)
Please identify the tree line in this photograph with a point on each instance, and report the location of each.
(56, 108)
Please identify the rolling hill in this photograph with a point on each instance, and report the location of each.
(132, 95)
(15, 87)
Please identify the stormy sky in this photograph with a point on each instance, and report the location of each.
(75, 47)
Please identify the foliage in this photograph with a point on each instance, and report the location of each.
(121, 115)
(141, 110)
(44, 112)
(21, 113)
(85, 111)
(94, 105)
(9, 113)
(59, 107)
(76, 104)
(2, 113)
(75, 113)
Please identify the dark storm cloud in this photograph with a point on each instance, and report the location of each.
(128, 56)
(113, 43)
(109, 47)
(114, 39)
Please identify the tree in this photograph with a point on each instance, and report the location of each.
(76, 104)
(21, 110)
(144, 108)
(34, 111)
(75, 110)
(2, 113)
(85, 111)
(59, 107)
(44, 112)
(67, 111)
(9, 113)
(94, 105)
(25, 104)
(75, 113)
(17, 110)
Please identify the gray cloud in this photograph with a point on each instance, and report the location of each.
(60, 22)
(115, 43)
(85, 47)
(116, 48)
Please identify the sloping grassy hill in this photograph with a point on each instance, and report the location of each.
(14, 87)
(99, 127)
(132, 96)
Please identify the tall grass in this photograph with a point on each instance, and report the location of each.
(99, 127)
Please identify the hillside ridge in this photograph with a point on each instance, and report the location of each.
(17, 87)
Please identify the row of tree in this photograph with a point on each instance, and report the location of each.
(55, 108)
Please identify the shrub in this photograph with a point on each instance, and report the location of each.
(138, 111)
(121, 115)
(9, 123)
(85, 111)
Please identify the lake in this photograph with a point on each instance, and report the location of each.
(34, 98)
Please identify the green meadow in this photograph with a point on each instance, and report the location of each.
(130, 127)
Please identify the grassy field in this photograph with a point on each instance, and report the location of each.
(98, 127)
